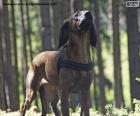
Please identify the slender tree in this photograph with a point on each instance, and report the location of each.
(99, 59)
(65, 10)
(77, 5)
(14, 41)
(7, 60)
(46, 34)
(133, 50)
(24, 45)
(56, 22)
(29, 31)
(60, 14)
(3, 105)
(116, 54)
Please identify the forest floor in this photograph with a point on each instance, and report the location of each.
(39, 114)
(34, 112)
(111, 111)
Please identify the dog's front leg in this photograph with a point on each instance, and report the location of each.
(84, 103)
(64, 103)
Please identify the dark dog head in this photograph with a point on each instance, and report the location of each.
(80, 21)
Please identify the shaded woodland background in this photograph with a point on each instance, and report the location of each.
(26, 30)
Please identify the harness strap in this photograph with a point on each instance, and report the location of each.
(62, 63)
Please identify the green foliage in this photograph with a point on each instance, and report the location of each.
(113, 111)
(137, 105)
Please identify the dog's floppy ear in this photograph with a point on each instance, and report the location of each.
(63, 36)
(93, 36)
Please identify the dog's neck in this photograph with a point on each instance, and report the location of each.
(78, 48)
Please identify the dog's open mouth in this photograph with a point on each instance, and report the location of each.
(85, 25)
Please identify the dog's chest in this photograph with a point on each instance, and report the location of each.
(74, 80)
(82, 82)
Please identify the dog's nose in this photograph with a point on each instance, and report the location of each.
(88, 15)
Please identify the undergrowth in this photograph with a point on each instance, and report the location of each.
(111, 110)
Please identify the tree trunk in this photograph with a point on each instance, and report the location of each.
(99, 57)
(116, 55)
(60, 15)
(3, 103)
(8, 68)
(53, 41)
(46, 34)
(29, 31)
(56, 24)
(24, 49)
(15, 48)
(77, 5)
(65, 10)
(133, 51)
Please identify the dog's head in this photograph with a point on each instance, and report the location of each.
(80, 21)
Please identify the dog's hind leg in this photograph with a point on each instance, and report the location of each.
(26, 105)
(30, 94)
(45, 93)
(32, 85)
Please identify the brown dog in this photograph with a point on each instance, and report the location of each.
(65, 70)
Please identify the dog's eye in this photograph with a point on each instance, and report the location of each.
(76, 15)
